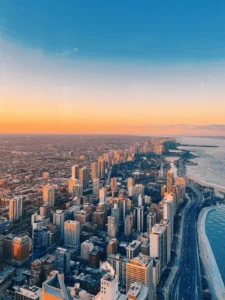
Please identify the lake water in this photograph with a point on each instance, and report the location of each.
(211, 171)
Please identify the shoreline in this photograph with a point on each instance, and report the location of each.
(207, 257)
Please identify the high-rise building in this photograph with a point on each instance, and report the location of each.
(128, 226)
(49, 195)
(75, 172)
(116, 214)
(112, 227)
(133, 249)
(39, 242)
(58, 220)
(94, 170)
(82, 216)
(15, 209)
(158, 245)
(27, 292)
(168, 212)
(130, 183)
(84, 177)
(118, 262)
(169, 185)
(102, 167)
(96, 186)
(71, 183)
(180, 188)
(54, 288)
(166, 223)
(138, 190)
(86, 247)
(16, 249)
(140, 269)
(151, 221)
(140, 218)
(62, 260)
(71, 233)
(113, 184)
(112, 247)
(137, 291)
(102, 195)
(77, 190)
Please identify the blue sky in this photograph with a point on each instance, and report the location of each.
(164, 31)
(159, 63)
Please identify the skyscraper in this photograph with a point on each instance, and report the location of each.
(75, 172)
(180, 188)
(112, 247)
(71, 233)
(101, 167)
(84, 177)
(151, 221)
(140, 218)
(112, 227)
(78, 190)
(49, 195)
(140, 269)
(96, 187)
(94, 170)
(118, 262)
(169, 182)
(102, 195)
(128, 226)
(138, 190)
(39, 242)
(15, 209)
(158, 245)
(168, 212)
(58, 220)
(86, 247)
(62, 260)
(130, 183)
(71, 183)
(113, 184)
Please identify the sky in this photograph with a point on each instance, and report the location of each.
(112, 67)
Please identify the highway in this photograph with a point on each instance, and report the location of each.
(187, 282)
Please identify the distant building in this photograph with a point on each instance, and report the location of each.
(113, 184)
(75, 172)
(96, 186)
(102, 195)
(112, 227)
(169, 185)
(130, 183)
(180, 188)
(77, 190)
(39, 242)
(49, 195)
(138, 190)
(94, 170)
(62, 260)
(72, 233)
(168, 212)
(133, 249)
(151, 221)
(15, 209)
(112, 247)
(84, 177)
(86, 248)
(58, 220)
(128, 226)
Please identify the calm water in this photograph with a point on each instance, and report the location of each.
(211, 170)
(211, 161)
(215, 230)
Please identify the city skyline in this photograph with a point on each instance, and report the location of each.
(112, 68)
